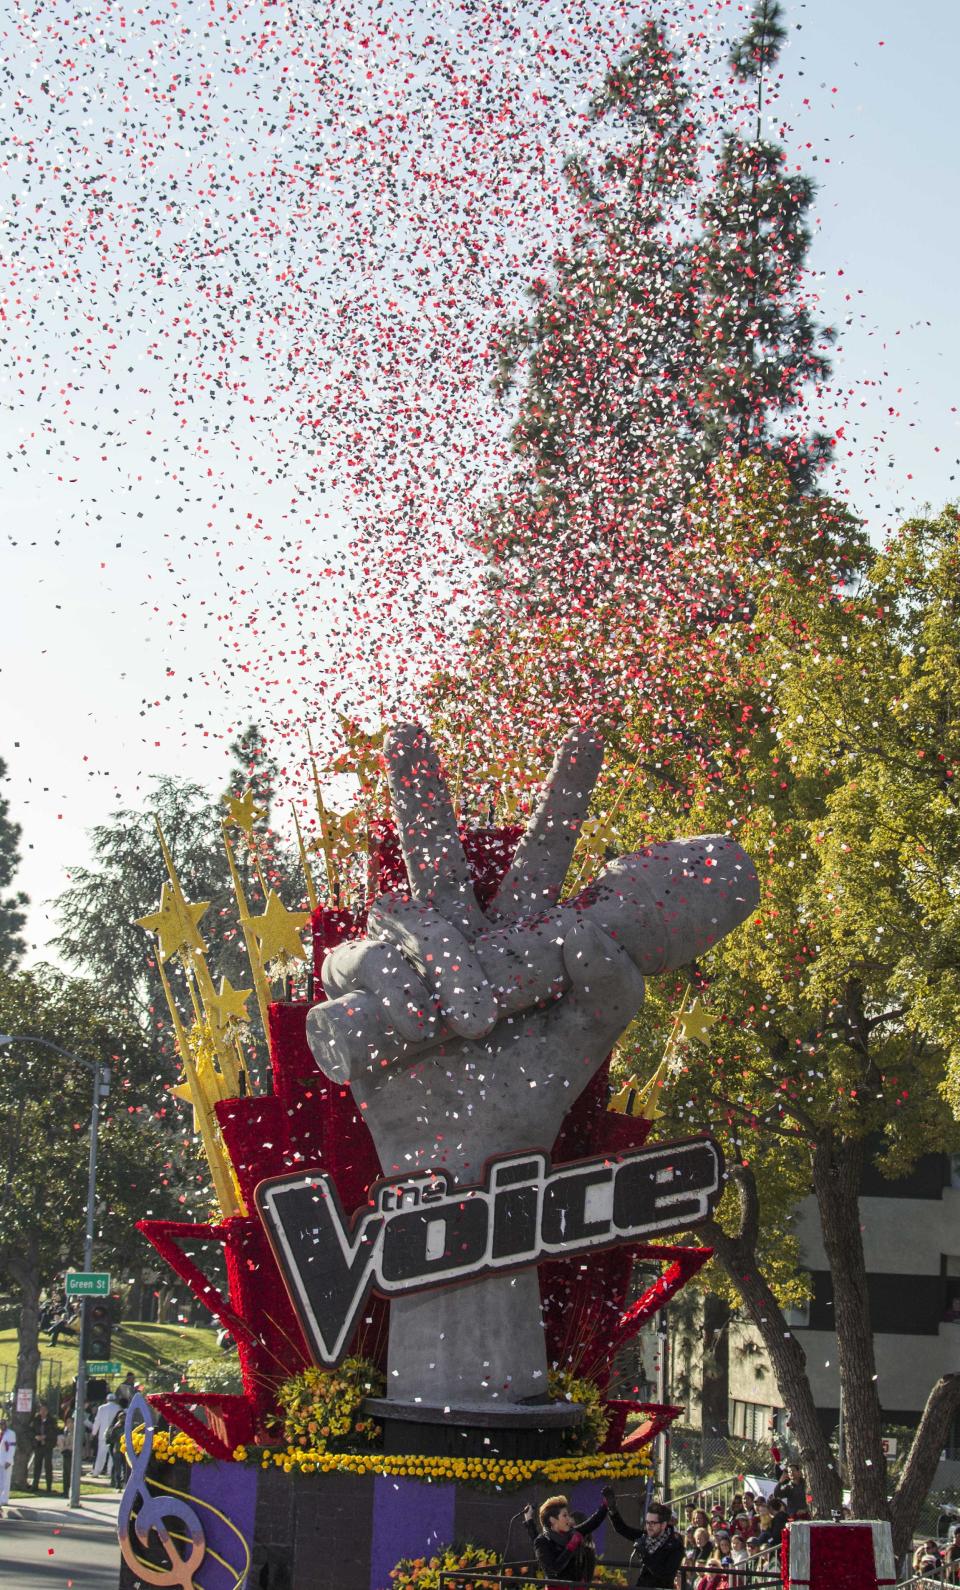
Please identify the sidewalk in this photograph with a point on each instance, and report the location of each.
(55, 1508)
(45, 1545)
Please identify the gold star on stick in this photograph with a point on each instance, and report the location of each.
(364, 755)
(343, 835)
(241, 811)
(230, 1004)
(175, 923)
(695, 1022)
(278, 931)
(638, 1099)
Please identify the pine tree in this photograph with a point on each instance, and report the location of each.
(761, 347)
(12, 913)
(601, 366)
(255, 768)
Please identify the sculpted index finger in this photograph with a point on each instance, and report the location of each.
(543, 855)
(436, 865)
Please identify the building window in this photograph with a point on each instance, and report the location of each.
(951, 1301)
(750, 1420)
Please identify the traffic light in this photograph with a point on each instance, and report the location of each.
(96, 1327)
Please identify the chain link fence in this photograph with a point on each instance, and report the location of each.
(699, 1458)
(50, 1383)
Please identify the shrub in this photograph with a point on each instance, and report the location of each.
(423, 1573)
(589, 1435)
(323, 1409)
(220, 1373)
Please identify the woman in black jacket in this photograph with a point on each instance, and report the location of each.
(560, 1544)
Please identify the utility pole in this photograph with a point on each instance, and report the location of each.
(663, 1397)
(100, 1090)
(101, 1087)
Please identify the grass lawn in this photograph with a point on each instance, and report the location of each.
(146, 1349)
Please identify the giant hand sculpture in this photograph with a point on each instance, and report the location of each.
(466, 1035)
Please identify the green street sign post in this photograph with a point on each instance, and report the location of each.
(103, 1366)
(88, 1283)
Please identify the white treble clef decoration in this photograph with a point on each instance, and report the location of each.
(150, 1514)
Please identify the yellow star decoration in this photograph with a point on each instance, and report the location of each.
(696, 1022)
(176, 923)
(364, 755)
(343, 833)
(242, 812)
(278, 930)
(640, 1099)
(230, 1004)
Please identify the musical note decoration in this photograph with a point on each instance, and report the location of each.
(152, 1515)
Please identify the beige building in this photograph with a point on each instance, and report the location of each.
(911, 1232)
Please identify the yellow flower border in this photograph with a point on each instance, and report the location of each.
(175, 1447)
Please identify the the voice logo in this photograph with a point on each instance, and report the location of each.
(423, 1231)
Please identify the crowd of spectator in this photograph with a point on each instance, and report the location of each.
(53, 1430)
(931, 1561)
(745, 1532)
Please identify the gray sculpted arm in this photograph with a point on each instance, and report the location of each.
(468, 1036)
(458, 973)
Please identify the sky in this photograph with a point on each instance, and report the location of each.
(119, 594)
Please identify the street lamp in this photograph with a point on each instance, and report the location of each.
(101, 1087)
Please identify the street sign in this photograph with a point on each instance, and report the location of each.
(889, 1444)
(103, 1366)
(87, 1283)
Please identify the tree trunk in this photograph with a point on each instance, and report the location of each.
(26, 1273)
(837, 1169)
(921, 1465)
(739, 1259)
(715, 1395)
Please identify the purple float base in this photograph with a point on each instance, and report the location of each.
(346, 1531)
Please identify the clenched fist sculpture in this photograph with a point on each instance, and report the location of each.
(467, 1035)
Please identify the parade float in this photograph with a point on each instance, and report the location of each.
(432, 1210)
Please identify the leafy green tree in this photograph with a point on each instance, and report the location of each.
(761, 346)
(674, 334)
(833, 733)
(675, 329)
(12, 913)
(98, 910)
(44, 1114)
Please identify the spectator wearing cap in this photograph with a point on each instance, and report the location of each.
(773, 1519)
